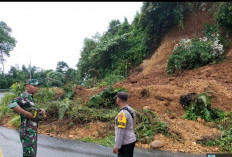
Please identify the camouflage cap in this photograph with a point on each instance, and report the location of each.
(33, 82)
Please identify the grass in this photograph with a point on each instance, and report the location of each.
(107, 141)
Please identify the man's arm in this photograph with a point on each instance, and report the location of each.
(120, 131)
(22, 111)
(119, 137)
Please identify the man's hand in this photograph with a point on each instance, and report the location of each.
(29, 115)
(115, 150)
(43, 112)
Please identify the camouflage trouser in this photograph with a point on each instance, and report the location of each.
(28, 138)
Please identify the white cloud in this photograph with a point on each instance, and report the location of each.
(48, 32)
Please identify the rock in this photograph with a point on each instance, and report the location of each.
(171, 79)
(185, 100)
(173, 117)
(145, 93)
(200, 120)
(71, 136)
(146, 107)
(157, 144)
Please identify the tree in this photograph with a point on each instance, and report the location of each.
(62, 67)
(7, 43)
(55, 78)
(84, 62)
(13, 72)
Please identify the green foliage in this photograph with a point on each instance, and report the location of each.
(202, 108)
(69, 90)
(62, 67)
(43, 95)
(224, 41)
(124, 46)
(55, 78)
(18, 88)
(7, 43)
(52, 109)
(6, 81)
(225, 139)
(106, 99)
(5, 100)
(211, 30)
(83, 114)
(15, 120)
(63, 107)
(147, 125)
(110, 80)
(107, 141)
(224, 14)
(194, 54)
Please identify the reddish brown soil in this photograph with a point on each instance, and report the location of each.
(165, 91)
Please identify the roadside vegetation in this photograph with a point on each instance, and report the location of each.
(201, 108)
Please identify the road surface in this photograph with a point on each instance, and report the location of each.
(57, 147)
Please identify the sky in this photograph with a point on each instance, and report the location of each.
(49, 32)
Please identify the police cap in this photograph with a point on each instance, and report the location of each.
(122, 95)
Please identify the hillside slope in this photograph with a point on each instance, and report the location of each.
(151, 87)
(164, 91)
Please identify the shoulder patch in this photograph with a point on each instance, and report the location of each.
(121, 123)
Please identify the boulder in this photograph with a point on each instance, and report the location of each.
(157, 144)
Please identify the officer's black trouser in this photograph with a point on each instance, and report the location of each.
(126, 150)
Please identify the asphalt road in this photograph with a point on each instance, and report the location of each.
(57, 147)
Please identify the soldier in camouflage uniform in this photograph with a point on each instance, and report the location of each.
(29, 127)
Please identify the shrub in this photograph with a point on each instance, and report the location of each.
(224, 14)
(111, 80)
(193, 54)
(202, 108)
(43, 95)
(55, 78)
(105, 99)
(15, 121)
(69, 89)
(5, 100)
(225, 140)
(18, 88)
(147, 124)
(63, 107)
(83, 114)
(57, 93)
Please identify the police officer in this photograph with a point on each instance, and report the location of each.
(124, 122)
(29, 128)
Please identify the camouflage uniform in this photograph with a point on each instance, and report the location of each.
(28, 128)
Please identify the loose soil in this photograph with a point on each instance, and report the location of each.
(151, 87)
